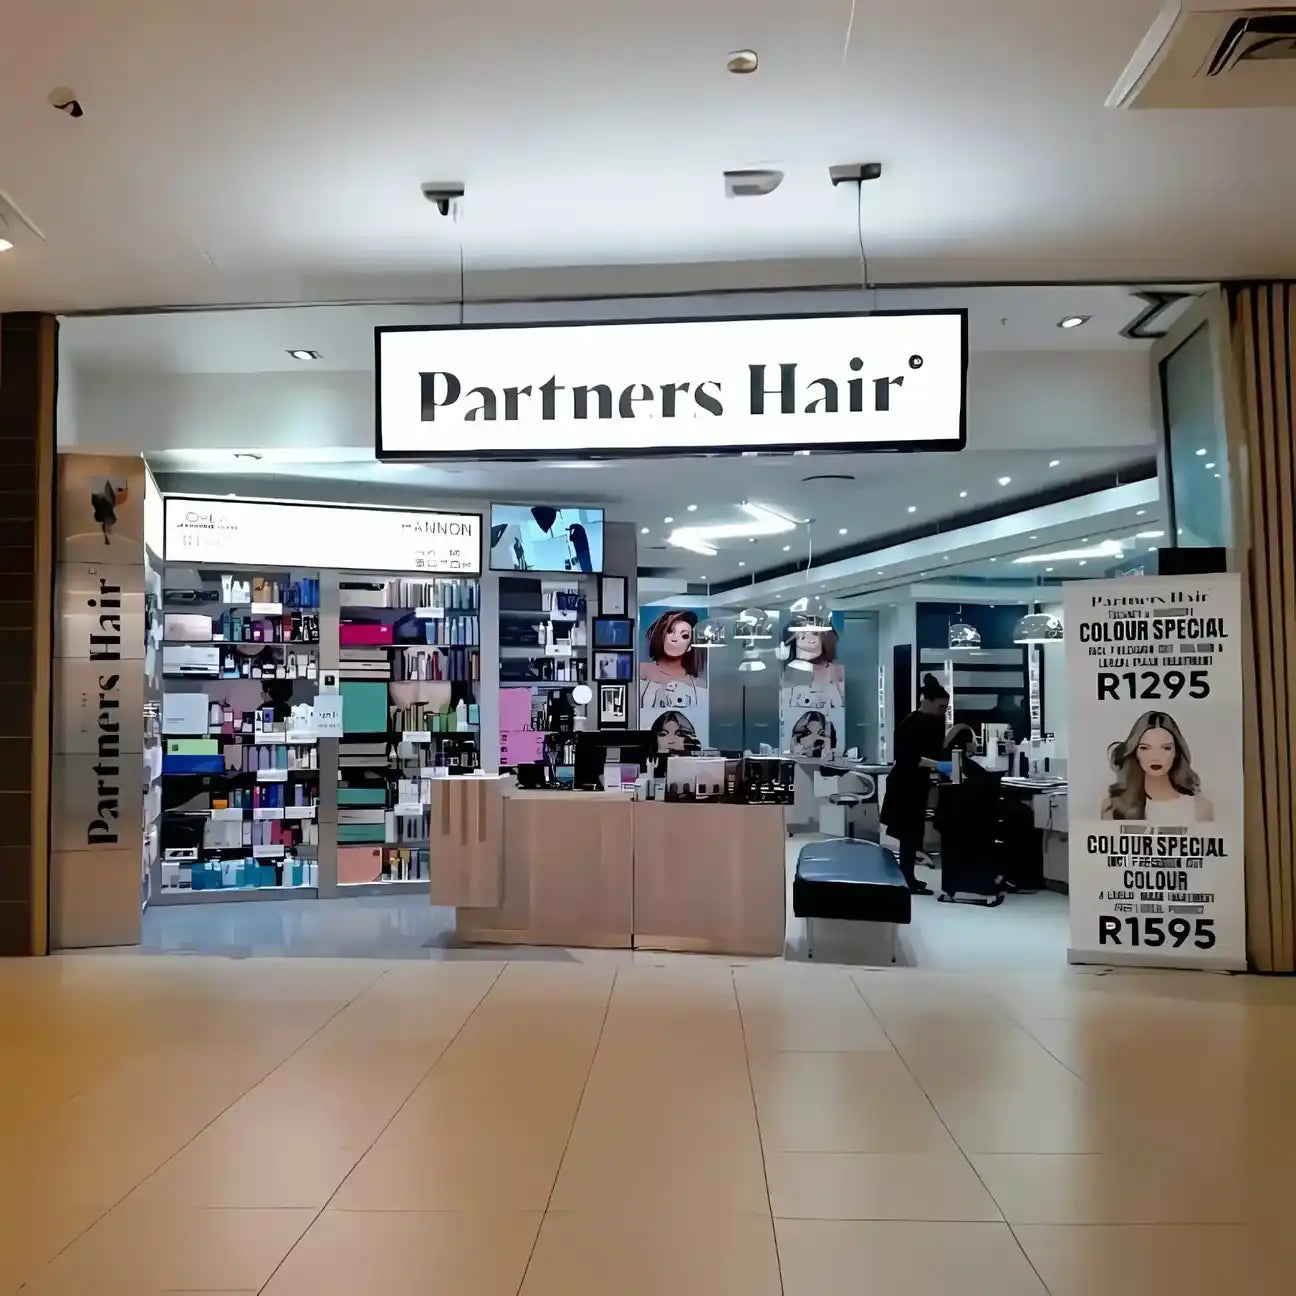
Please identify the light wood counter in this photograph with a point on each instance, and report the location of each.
(568, 873)
(466, 841)
(710, 878)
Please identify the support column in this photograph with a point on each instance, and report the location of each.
(1260, 411)
(28, 376)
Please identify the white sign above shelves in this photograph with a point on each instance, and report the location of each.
(256, 533)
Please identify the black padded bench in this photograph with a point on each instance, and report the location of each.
(852, 881)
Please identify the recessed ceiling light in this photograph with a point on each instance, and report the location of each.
(1201, 454)
(643, 530)
(1048, 569)
(1005, 481)
(1149, 535)
(1153, 548)
(1140, 513)
(962, 494)
(994, 559)
(1209, 464)
(5, 245)
(742, 564)
(1034, 537)
(692, 508)
(787, 548)
(913, 508)
(802, 452)
(668, 520)
(1217, 476)
(1053, 463)
(1073, 321)
(751, 539)
(304, 355)
(742, 62)
(841, 530)
(1084, 562)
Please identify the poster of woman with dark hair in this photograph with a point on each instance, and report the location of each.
(812, 692)
(672, 671)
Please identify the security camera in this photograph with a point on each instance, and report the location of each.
(65, 100)
(443, 193)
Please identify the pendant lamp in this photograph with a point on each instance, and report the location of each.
(710, 634)
(964, 637)
(753, 624)
(1038, 627)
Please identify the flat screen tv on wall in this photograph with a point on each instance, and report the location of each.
(540, 538)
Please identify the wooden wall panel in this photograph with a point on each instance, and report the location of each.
(1263, 326)
(28, 366)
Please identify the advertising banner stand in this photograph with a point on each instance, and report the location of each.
(1154, 682)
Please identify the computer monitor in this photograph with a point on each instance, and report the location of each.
(595, 747)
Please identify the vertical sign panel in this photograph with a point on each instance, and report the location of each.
(1154, 686)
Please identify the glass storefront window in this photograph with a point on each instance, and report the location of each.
(1196, 446)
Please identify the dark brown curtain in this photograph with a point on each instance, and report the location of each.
(1263, 325)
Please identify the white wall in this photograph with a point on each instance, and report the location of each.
(896, 625)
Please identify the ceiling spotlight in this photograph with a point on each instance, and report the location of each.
(304, 355)
(692, 508)
(1048, 569)
(752, 182)
(1073, 321)
(1084, 562)
(962, 494)
(841, 530)
(787, 548)
(1053, 463)
(668, 520)
(5, 245)
(742, 564)
(913, 508)
(1140, 513)
(1217, 476)
(1201, 454)
(1005, 481)
(1209, 464)
(643, 530)
(742, 62)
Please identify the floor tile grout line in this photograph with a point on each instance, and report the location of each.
(198, 1133)
(571, 1129)
(962, 1151)
(387, 1124)
(760, 1133)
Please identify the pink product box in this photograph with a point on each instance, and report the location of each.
(352, 636)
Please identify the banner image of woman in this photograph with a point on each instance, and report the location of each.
(812, 692)
(672, 677)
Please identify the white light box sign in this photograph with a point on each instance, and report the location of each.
(831, 382)
(256, 534)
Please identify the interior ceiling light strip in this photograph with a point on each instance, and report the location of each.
(1108, 549)
(763, 522)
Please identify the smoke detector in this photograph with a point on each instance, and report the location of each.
(1208, 54)
(754, 182)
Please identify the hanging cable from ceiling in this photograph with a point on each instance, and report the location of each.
(850, 27)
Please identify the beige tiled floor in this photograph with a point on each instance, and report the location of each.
(640, 1125)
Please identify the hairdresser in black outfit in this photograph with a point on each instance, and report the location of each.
(919, 748)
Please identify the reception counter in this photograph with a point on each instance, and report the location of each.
(599, 869)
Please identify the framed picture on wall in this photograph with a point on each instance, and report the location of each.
(613, 596)
(613, 632)
(612, 665)
(613, 705)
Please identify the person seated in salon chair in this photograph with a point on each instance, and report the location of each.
(967, 819)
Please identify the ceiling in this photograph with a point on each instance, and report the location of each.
(246, 152)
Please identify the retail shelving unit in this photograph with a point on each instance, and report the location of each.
(545, 632)
(410, 667)
(239, 778)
